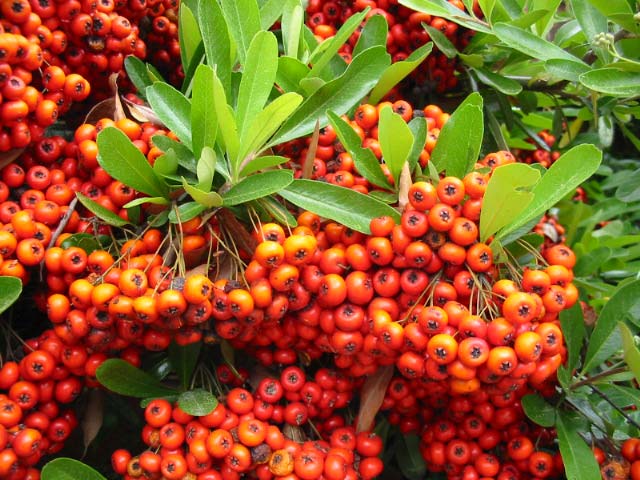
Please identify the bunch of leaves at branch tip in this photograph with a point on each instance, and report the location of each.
(584, 53)
(240, 98)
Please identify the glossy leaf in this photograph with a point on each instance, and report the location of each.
(186, 212)
(577, 456)
(101, 212)
(205, 198)
(612, 81)
(197, 402)
(137, 72)
(204, 123)
(123, 378)
(566, 173)
(266, 123)
(508, 194)
(270, 11)
(10, 290)
(338, 95)
(143, 200)
(69, 469)
(363, 158)
(166, 164)
(188, 33)
(123, 161)
(215, 36)
(257, 186)
(566, 69)
(630, 349)
(574, 331)
(290, 72)
(460, 139)
(291, 24)
(538, 410)
(348, 207)
(606, 338)
(183, 360)
(184, 154)
(334, 43)
(206, 168)
(394, 74)
(226, 122)
(442, 8)
(441, 41)
(173, 108)
(86, 241)
(258, 76)
(418, 128)
(373, 34)
(590, 19)
(261, 163)
(531, 44)
(499, 82)
(243, 20)
(396, 141)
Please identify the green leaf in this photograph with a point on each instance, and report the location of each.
(418, 128)
(577, 456)
(590, 19)
(166, 164)
(123, 161)
(123, 378)
(260, 163)
(394, 74)
(339, 95)
(566, 173)
(334, 43)
(290, 72)
(206, 169)
(69, 469)
(442, 8)
(185, 155)
(530, 44)
(173, 108)
(538, 410)
(441, 41)
(186, 212)
(226, 123)
(631, 352)
(183, 359)
(364, 160)
(143, 200)
(409, 458)
(291, 25)
(205, 198)
(508, 194)
(10, 290)
(137, 72)
(197, 402)
(270, 11)
(215, 36)
(460, 139)
(373, 34)
(258, 76)
(188, 33)
(566, 69)
(266, 123)
(243, 19)
(499, 82)
(574, 332)
(346, 206)
(257, 186)
(612, 81)
(101, 212)
(606, 339)
(204, 123)
(396, 141)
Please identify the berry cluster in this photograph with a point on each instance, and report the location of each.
(406, 33)
(233, 441)
(33, 391)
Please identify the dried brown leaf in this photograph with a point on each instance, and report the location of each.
(405, 183)
(307, 166)
(9, 156)
(373, 392)
(92, 420)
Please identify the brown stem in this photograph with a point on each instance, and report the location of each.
(598, 376)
